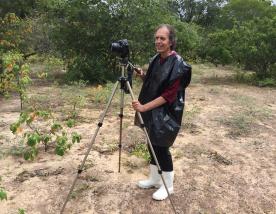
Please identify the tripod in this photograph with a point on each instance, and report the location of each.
(125, 88)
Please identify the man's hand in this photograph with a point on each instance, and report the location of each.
(138, 106)
(139, 72)
(148, 106)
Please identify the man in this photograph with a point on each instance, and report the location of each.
(161, 103)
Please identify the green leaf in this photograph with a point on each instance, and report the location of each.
(25, 80)
(70, 123)
(33, 139)
(3, 194)
(76, 137)
(14, 127)
(23, 117)
(16, 68)
(55, 127)
(69, 145)
(46, 138)
(21, 211)
(61, 144)
(43, 114)
(27, 155)
(29, 120)
(61, 140)
(30, 154)
(60, 151)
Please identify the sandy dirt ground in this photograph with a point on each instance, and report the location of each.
(224, 157)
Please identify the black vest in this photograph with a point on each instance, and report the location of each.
(163, 123)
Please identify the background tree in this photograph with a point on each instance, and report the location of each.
(85, 30)
(18, 7)
(256, 45)
(14, 73)
(236, 12)
(80, 32)
(203, 12)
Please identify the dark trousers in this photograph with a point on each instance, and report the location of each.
(163, 156)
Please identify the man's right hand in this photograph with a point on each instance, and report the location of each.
(139, 72)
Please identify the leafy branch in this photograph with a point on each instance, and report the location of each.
(56, 135)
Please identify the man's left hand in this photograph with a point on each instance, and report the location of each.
(137, 106)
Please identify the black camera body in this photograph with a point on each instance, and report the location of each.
(120, 48)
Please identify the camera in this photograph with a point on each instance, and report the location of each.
(120, 48)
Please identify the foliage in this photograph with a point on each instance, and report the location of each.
(256, 44)
(188, 39)
(32, 135)
(15, 77)
(28, 36)
(204, 13)
(237, 12)
(246, 77)
(86, 30)
(14, 33)
(92, 69)
(21, 211)
(3, 194)
(8, 32)
(217, 47)
(100, 94)
(14, 72)
(19, 39)
(80, 32)
(250, 42)
(52, 63)
(141, 150)
(20, 8)
(267, 82)
(74, 94)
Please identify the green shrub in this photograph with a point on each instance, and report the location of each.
(246, 77)
(141, 150)
(94, 70)
(267, 82)
(33, 136)
(3, 194)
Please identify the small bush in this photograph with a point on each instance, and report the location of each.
(267, 82)
(94, 70)
(246, 77)
(140, 150)
(21, 211)
(3, 194)
(101, 94)
(33, 136)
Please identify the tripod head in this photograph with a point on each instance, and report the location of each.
(123, 61)
(126, 76)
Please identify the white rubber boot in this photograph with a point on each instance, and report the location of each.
(154, 179)
(161, 193)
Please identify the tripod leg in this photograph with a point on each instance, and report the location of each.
(102, 116)
(121, 115)
(151, 148)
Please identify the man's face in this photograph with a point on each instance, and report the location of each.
(162, 42)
